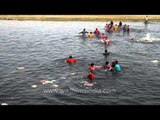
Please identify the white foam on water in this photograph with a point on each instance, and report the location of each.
(53, 80)
(148, 38)
(155, 61)
(63, 78)
(72, 73)
(4, 104)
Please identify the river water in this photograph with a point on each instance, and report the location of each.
(43, 46)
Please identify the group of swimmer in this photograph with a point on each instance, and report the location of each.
(114, 66)
(103, 38)
(110, 28)
(115, 28)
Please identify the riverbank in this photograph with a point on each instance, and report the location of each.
(80, 17)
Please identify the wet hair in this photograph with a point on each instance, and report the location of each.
(84, 29)
(92, 64)
(116, 62)
(107, 62)
(90, 32)
(70, 56)
(105, 51)
(113, 64)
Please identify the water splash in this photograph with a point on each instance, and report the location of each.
(148, 36)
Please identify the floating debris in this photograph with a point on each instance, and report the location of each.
(20, 68)
(54, 85)
(34, 86)
(72, 73)
(47, 81)
(154, 61)
(88, 84)
(42, 81)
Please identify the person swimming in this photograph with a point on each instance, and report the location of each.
(112, 22)
(97, 32)
(106, 27)
(90, 35)
(102, 36)
(71, 60)
(84, 32)
(107, 41)
(90, 75)
(113, 65)
(124, 28)
(117, 66)
(115, 28)
(93, 67)
(128, 29)
(107, 66)
(106, 53)
(120, 24)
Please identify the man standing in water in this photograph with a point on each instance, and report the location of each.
(146, 20)
(84, 32)
(106, 53)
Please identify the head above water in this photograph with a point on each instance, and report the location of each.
(84, 29)
(106, 51)
(70, 56)
(92, 64)
(116, 61)
(107, 62)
